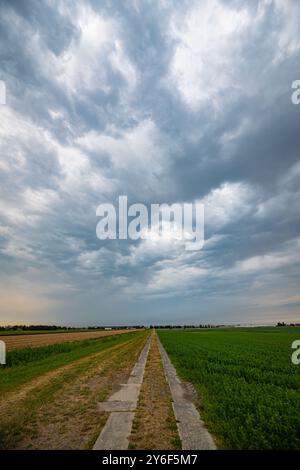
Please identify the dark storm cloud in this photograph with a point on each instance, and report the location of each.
(165, 102)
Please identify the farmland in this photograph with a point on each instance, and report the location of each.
(49, 395)
(35, 340)
(5, 332)
(241, 380)
(249, 391)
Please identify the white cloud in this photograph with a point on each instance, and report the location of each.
(276, 207)
(167, 280)
(78, 173)
(288, 42)
(40, 200)
(151, 249)
(85, 64)
(19, 136)
(96, 260)
(228, 203)
(141, 150)
(208, 44)
(270, 261)
(17, 216)
(176, 279)
(212, 40)
(16, 248)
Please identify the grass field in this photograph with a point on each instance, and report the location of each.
(249, 389)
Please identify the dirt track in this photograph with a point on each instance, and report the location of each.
(34, 341)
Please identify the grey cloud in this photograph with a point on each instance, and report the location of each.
(67, 146)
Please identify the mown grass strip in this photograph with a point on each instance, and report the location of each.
(154, 425)
(24, 365)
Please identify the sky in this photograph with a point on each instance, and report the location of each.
(165, 102)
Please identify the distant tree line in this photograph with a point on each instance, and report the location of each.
(184, 326)
(131, 327)
(120, 327)
(35, 327)
(58, 328)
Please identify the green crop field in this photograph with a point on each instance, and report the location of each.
(248, 387)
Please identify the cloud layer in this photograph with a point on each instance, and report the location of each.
(166, 102)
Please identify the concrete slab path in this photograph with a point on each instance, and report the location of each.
(191, 429)
(122, 405)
